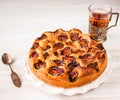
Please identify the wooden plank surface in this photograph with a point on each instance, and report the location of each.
(21, 21)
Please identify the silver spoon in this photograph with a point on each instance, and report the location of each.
(15, 78)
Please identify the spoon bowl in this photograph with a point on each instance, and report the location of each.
(6, 58)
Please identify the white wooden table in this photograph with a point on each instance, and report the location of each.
(23, 20)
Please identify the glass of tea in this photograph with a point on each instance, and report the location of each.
(99, 18)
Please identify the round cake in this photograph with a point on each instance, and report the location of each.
(67, 58)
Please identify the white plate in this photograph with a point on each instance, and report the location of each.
(72, 91)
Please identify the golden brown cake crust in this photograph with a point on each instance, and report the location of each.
(67, 58)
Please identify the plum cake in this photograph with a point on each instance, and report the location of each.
(67, 59)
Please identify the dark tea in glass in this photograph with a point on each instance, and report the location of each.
(99, 18)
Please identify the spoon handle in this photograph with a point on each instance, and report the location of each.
(15, 78)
